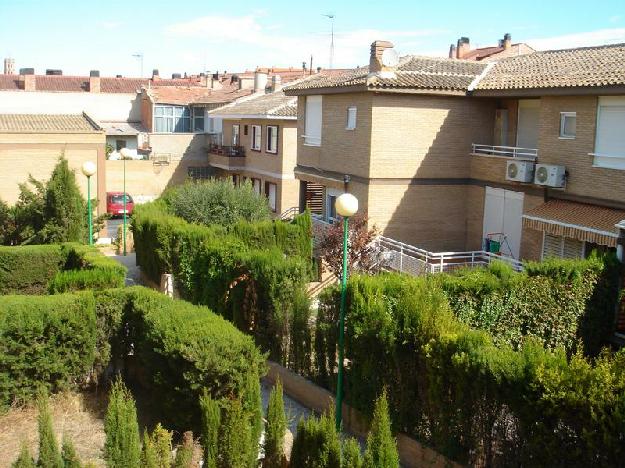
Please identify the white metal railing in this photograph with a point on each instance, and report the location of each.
(505, 151)
(289, 214)
(405, 258)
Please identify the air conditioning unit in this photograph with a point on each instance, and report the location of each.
(520, 171)
(550, 176)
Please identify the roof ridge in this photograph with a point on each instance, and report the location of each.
(570, 49)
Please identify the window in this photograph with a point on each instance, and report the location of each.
(256, 185)
(312, 131)
(199, 173)
(330, 211)
(120, 144)
(567, 125)
(235, 135)
(351, 118)
(562, 247)
(198, 120)
(270, 192)
(610, 138)
(245, 130)
(272, 139)
(257, 135)
(172, 119)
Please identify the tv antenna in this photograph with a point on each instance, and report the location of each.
(139, 57)
(331, 16)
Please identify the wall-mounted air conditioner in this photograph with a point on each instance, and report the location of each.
(549, 175)
(520, 171)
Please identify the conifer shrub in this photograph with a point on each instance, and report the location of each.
(381, 445)
(69, 455)
(236, 447)
(211, 422)
(122, 447)
(316, 443)
(184, 453)
(28, 269)
(351, 457)
(156, 450)
(49, 454)
(275, 428)
(24, 459)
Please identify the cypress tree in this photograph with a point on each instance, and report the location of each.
(184, 454)
(156, 451)
(122, 447)
(69, 455)
(381, 445)
(275, 428)
(148, 452)
(25, 459)
(253, 410)
(49, 454)
(351, 457)
(211, 419)
(235, 437)
(317, 443)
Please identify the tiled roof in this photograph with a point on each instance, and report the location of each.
(122, 128)
(581, 67)
(413, 72)
(275, 104)
(47, 123)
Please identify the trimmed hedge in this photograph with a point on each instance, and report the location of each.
(45, 341)
(454, 389)
(253, 274)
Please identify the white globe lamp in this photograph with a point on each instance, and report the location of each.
(346, 205)
(88, 168)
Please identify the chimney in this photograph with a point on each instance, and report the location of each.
(176, 76)
(463, 47)
(260, 82)
(9, 66)
(507, 41)
(94, 81)
(452, 51)
(276, 83)
(27, 79)
(375, 58)
(54, 72)
(155, 75)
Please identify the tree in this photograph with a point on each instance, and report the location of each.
(7, 223)
(362, 254)
(25, 459)
(64, 207)
(49, 454)
(235, 437)
(156, 451)
(351, 456)
(27, 214)
(275, 428)
(69, 455)
(381, 445)
(211, 419)
(252, 404)
(122, 447)
(317, 443)
(184, 454)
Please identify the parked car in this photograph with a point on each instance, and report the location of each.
(115, 204)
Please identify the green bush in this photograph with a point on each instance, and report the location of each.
(69, 455)
(122, 447)
(316, 443)
(381, 445)
(45, 340)
(156, 450)
(275, 428)
(216, 202)
(49, 454)
(25, 459)
(211, 422)
(184, 453)
(351, 456)
(28, 269)
(473, 400)
(236, 447)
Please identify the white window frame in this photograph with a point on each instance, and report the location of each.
(236, 136)
(272, 206)
(563, 117)
(313, 120)
(169, 118)
(271, 139)
(604, 160)
(257, 185)
(352, 114)
(197, 113)
(257, 134)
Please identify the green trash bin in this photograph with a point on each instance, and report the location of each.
(494, 246)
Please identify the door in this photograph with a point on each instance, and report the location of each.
(527, 124)
(503, 211)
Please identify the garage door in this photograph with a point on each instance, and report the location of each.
(503, 210)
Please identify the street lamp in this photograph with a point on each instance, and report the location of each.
(88, 169)
(125, 152)
(346, 205)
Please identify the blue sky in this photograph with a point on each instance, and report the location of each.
(192, 35)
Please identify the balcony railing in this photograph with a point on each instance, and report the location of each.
(505, 151)
(230, 151)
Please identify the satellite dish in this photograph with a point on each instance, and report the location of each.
(390, 58)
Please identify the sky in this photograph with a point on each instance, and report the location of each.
(193, 36)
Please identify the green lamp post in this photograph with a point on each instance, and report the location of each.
(125, 153)
(346, 205)
(88, 169)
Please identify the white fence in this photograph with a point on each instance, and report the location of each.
(505, 151)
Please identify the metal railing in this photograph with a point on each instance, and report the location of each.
(289, 214)
(405, 258)
(505, 151)
(230, 151)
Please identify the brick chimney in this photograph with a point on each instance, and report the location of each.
(27, 79)
(375, 57)
(94, 81)
(463, 47)
(452, 51)
(507, 41)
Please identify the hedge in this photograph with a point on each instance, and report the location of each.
(39, 269)
(45, 340)
(253, 274)
(456, 390)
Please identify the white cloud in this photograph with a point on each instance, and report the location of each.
(584, 39)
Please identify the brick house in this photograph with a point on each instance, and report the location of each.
(426, 144)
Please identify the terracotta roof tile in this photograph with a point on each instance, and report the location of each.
(580, 67)
(47, 123)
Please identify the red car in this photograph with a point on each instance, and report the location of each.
(115, 204)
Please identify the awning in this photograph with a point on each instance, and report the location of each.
(585, 222)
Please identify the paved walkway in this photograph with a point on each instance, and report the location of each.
(133, 277)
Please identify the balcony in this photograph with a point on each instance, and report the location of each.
(230, 151)
(511, 152)
(226, 157)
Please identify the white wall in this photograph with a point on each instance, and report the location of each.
(101, 106)
(131, 141)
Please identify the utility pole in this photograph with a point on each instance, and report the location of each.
(140, 58)
(330, 16)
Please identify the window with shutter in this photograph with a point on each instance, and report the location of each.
(351, 118)
(312, 123)
(256, 137)
(610, 137)
(562, 247)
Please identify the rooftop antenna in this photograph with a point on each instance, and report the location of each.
(330, 16)
(140, 58)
